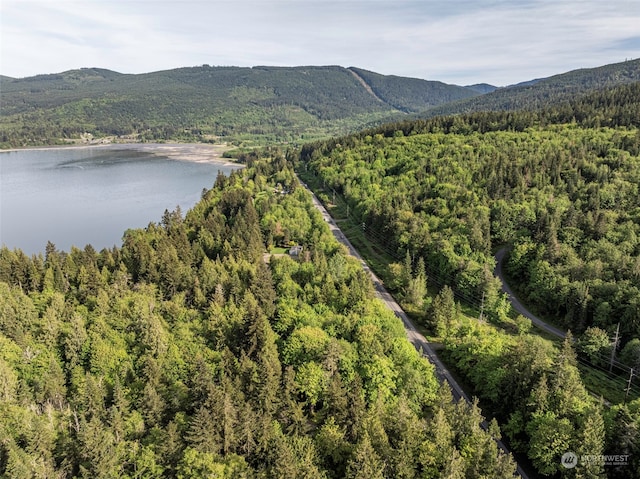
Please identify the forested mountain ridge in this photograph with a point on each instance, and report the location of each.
(561, 186)
(412, 94)
(259, 104)
(191, 352)
(482, 87)
(273, 102)
(546, 92)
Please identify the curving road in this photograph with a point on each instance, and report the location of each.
(417, 339)
(517, 305)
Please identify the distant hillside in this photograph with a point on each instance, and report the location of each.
(482, 88)
(262, 104)
(271, 103)
(543, 92)
(412, 94)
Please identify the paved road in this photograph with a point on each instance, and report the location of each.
(517, 305)
(417, 339)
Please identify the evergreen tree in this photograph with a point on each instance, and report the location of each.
(365, 462)
(442, 312)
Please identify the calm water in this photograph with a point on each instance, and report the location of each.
(79, 196)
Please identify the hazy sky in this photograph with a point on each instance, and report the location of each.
(455, 41)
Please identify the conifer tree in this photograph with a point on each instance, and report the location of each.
(365, 462)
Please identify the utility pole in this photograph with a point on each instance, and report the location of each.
(481, 308)
(628, 388)
(613, 347)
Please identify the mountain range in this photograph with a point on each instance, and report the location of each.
(258, 104)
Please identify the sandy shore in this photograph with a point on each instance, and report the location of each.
(196, 152)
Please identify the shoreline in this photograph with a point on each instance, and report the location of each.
(194, 152)
(59, 147)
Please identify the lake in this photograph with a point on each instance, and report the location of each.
(91, 195)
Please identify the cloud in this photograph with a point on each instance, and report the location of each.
(459, 41)
(38, 36)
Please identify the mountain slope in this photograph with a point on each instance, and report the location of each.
(482, 87)
(544, 92)
(271, 102)
(412, 94)
(259, 104)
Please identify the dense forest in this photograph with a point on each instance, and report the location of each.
(259, 105)
(202, 348)
(545, 92)
(201, 103)
(561, 187)
(192, 352)
(412, 94)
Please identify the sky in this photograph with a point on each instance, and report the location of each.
(463, 42)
